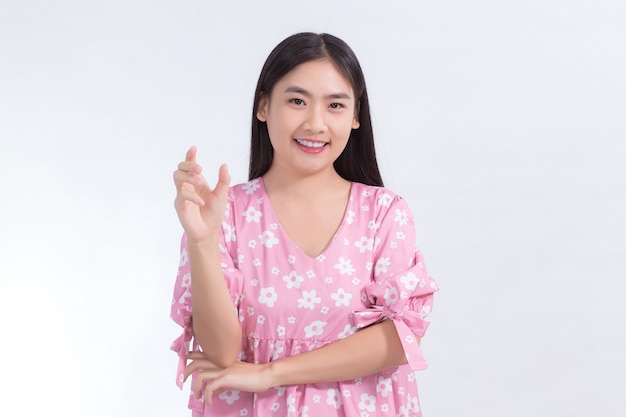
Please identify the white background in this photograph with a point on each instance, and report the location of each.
(502, 124)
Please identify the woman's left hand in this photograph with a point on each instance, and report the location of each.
(240, 376)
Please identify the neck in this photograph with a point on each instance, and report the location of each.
(305, 187)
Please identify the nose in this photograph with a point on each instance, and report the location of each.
(315, 121)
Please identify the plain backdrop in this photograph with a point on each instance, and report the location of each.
(502, 124)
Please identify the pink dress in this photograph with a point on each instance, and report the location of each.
(289, 303)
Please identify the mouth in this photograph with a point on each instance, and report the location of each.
(311, 144)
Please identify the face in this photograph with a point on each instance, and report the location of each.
(309, 115)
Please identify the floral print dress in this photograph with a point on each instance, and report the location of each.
(289, 303)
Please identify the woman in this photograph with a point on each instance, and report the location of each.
(308, 295)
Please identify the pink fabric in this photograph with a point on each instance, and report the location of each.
(289, 302)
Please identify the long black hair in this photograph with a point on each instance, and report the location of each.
(357, 162)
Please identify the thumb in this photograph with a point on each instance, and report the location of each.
(223, 182)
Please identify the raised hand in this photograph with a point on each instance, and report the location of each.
(200, 209)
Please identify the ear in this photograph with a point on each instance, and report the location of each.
(355, 122)
(261, 113)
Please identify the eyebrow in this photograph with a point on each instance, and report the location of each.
(300, 90)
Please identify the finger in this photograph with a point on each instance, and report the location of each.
(190, 166)
(184, 195)
(223, 182)
(181, 177)
(191, 154)
(200, 365)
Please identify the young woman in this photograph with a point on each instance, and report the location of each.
(309, 297)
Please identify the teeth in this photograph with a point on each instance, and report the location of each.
(310, 144)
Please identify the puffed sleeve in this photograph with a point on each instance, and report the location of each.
(181, 302)
(401, 289)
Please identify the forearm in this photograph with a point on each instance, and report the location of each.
(215, 322)
(366, 352)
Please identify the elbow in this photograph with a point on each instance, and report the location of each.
(222, 353)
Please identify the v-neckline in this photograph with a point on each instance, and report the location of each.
(292, 243)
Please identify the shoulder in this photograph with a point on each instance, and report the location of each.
(380, 198)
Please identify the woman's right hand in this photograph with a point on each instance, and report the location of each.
(200, 209)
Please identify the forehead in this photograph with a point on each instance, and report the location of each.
(319, 76)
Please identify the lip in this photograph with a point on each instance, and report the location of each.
(311, 149)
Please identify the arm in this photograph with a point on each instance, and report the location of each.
(201, 211)
(215, 322)
(363, 353)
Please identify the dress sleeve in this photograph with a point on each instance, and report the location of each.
(401, 289)
(181, 302)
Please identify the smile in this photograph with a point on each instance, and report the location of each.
(310, 144)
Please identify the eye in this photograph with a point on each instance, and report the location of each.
(297, 101)
(336, 106)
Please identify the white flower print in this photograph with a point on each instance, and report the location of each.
(324, 310)
(316, 399)
(393, 245)
(350, 217)
(274, 226)
(404, 412)
(229, 396)
(372, 225)
(252, 215)
(186, 283)
(256, 262)
(364, 244)
(400, 236)
(409, 339)
(321, 258)
(275, 406)
(291, 320)
(328, 280)
(345, 266)
(279, 347)
(346, 393)
(401, 390)
(275, 271)
(391, 296)
(347, 331)
(310, 273)
(184, 257)
(250, 310)
(309, 299)
(260, 319)
(254, 282)
(293, 280)
(365, 414)
(383, 386)
(346, 241)
(240, 259)
(368, 265)
(365, 208)
(411, 377)
(291, 403)
(424, 311)
(366, 193)
(243, 412)
(267, 239)
(384, 408)
(268, 296)
(251, 186)
(229, 232)
(414, 404)
(341, 297)
(303, 411)
(385, 200)
(356, 281)
(281, 390)
(401, 217)
(381, 265)
(280, 330)
(334, 398)
(409, 280)
(367, 403)
(252, 244)
(315, 329)
(291, 259)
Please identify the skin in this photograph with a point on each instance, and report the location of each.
(313, 103)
